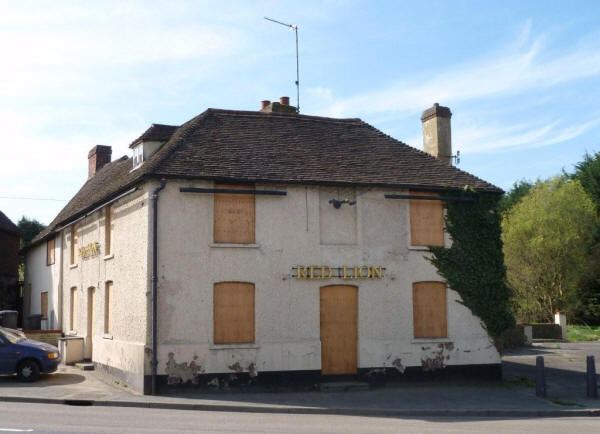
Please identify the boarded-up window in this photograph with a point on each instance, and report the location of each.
(108, 296)
(73, 244)
(73, 309)
(44, 304)
(108, 230)
(233, 312)
(429, 310)
(50, 252)
(426, 221)
(234, 215)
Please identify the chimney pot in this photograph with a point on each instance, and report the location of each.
(98, 157)
(264, 104)
(284, 100)
(437, 140)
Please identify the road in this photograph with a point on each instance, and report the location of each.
(48, 418)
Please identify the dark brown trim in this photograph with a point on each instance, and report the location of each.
(445, 199)
(232, 191)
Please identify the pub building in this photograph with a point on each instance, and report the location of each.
(260, 245)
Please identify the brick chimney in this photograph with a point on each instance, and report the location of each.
(283, 106)
(437, 139)
(98, 156)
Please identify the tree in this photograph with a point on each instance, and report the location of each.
(587, 172)
(546, 248)
(29, 229)
(514, 195)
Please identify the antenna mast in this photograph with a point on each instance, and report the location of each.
(293, 27)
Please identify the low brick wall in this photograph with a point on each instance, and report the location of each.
(49, 336)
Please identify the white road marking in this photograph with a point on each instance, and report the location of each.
(15, 430)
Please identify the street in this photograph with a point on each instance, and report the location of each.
(48, 418)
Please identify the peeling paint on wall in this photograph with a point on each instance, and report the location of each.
(181, 373)
(437, 359)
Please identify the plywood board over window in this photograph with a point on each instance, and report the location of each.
(430, 310)
(234, 216)
(44, 304)
(426, 220)
(73, 244)
(108, 230)
(73, 309)
(50, 251)
(108, 300)
(233, 314)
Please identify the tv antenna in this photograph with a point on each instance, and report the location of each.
(293, 27)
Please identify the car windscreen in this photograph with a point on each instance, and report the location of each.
(10, 337)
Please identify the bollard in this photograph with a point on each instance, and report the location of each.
(540, 379)
(592, 381)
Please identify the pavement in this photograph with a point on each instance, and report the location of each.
(513, 397)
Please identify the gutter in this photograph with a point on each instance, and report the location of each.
(154, 362)
(114, 199)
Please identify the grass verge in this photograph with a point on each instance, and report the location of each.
(583, 333)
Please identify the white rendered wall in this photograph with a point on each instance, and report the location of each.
(127, 267)
(40, 278)
(287, 329)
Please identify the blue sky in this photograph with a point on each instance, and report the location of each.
(521, 78)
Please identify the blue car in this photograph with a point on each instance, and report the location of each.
(24, 357)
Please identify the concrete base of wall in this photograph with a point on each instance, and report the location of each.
(309, 380)
(111, 375)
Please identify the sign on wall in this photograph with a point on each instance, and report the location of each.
(325, 272)
(92, 249)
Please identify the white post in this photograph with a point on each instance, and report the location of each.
(528, 332)
(561, 320)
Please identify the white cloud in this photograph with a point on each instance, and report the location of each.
(477, 138)
(519, 68)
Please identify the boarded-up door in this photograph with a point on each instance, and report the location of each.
(339, 329)
(44, 305)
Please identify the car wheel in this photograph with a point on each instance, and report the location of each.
(28, 370)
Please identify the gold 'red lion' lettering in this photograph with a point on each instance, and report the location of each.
(301, 272)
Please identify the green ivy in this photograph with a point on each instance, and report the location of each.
(474, 265)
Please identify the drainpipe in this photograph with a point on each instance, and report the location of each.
(154, 362)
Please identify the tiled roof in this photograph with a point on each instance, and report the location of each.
(280, 147)
(8, 226)
(272, 147)
(156, 133)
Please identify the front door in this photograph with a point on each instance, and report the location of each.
(90, 324)
(339, 330)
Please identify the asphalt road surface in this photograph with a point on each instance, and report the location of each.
(48, 418)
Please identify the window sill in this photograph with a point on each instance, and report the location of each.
(430, 340)
(107, 336)
(248, 346)
(107, 257)
(73, 266)
(233, 245)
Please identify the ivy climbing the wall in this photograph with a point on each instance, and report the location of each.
(474, 265)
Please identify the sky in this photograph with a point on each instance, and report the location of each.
(522, 79)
